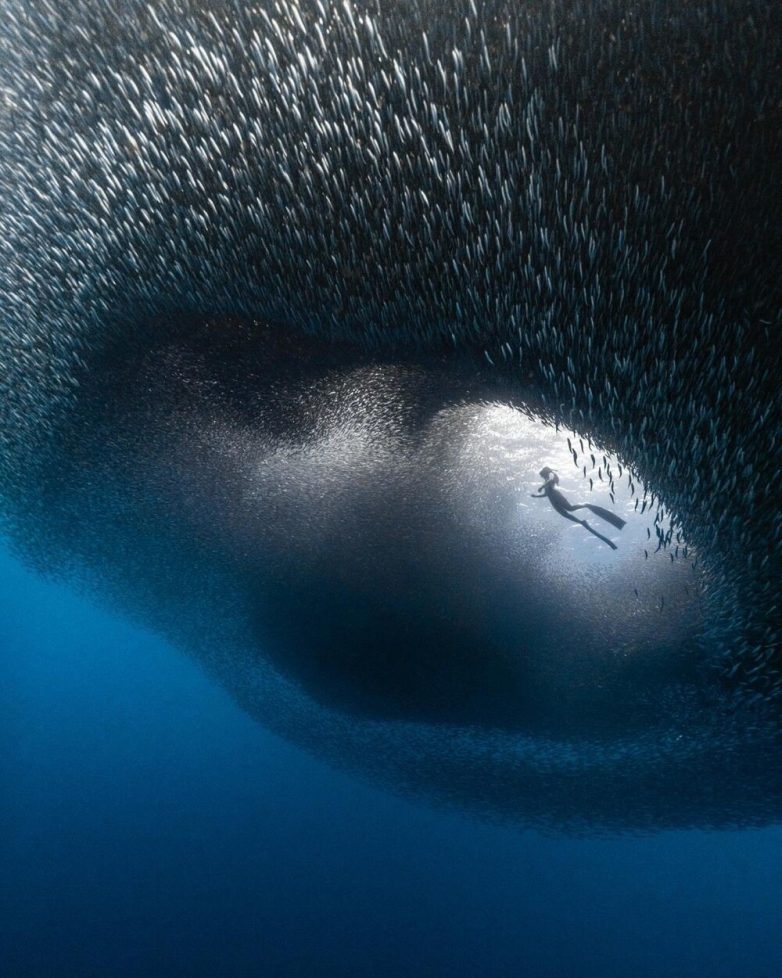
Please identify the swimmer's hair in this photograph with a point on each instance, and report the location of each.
(547, 473)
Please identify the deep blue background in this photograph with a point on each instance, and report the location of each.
(150, 828)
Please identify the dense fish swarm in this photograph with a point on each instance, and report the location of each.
(587, 192)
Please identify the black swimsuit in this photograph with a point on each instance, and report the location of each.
(564, 508)
(557, 500)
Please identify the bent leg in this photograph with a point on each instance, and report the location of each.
(606, 515)
(569, 516)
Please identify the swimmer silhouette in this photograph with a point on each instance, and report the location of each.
(564, 508)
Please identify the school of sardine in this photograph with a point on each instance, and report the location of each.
(583, 194)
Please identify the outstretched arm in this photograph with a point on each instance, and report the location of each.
(542, 490)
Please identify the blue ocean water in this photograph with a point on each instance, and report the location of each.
(148, 827)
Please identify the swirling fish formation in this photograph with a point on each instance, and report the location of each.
(583, 193)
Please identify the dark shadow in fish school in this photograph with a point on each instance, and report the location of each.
(564, 508)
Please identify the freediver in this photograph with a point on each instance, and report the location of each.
(564, 508)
